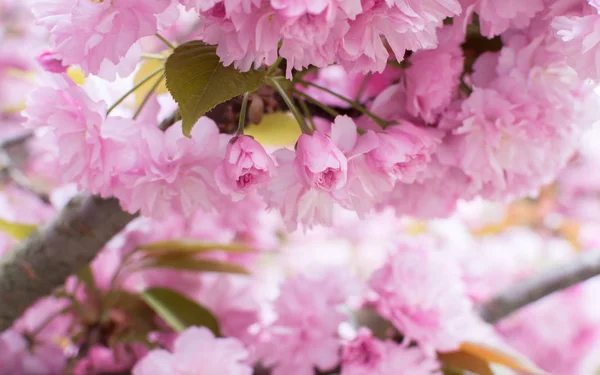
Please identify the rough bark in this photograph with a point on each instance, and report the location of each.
(55, 251)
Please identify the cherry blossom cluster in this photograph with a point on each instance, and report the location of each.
(434, 134)
(421, 109)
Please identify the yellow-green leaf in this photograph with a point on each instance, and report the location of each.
(275, 129)
(501, 357)
(145, 70)
(460, 360)
(191, 246)
(178, 311)
(16, 230)
(198, 81)
(187, 263)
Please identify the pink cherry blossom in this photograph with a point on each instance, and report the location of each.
(197, 348)
(432, 80)
(245, 168)
(309, 182)
(98, 35)
(174, 172)
(234, 301)
(303, 336)
(90, 148)
(496, 17)
(421, 292)
(46, 356)
(579, 43)
(367, 355)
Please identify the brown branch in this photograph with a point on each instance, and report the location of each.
(584, 267)
(61, 247)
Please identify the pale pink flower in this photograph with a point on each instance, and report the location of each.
(309, 182)
(495, 17)
(579, 43)
(574, 318)
(421, 292)
(246, 167)
(94, 33)
(101, 359)
(405, 27)
(404, 151)
(246, 39)
(173, 172)
(197, 349)
(294, 8)
(91, 149)
(45, 356)
(234, 301)
(432, 80)
(304, 334)
(366, 355)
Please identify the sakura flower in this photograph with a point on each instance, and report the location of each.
(496, 17)
(97, 35)
(366, 355)
(233, 299)
(579, 43)
(246, 167)
(309, 182)
(405, 27)
(44, 356)
(90, 148)
(421, 292)
(432, 80)
(173, 172)
(404, 151)
(197, 348)
(303, 336)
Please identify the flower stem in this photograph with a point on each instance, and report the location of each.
(153, 56)
(271, 69)
(330, 111)
(165, 41)
(288, 101)
(134, 88)
(242, 120)
(383, 123)
(147, 97)
(307, 113)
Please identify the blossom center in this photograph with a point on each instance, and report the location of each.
(245, 180)
(326, 179)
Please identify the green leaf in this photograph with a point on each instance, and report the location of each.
(178, 311)
(187, 263)
(87, 277)
(191, 246)
(198, 81)
(16, 230)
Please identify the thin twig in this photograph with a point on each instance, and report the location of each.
(584, 267)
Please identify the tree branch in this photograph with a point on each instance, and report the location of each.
(585, 266)
(55, 251)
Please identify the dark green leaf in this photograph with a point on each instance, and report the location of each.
(198, 81)
(178, 311)
(86, 276)
(194, 264)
